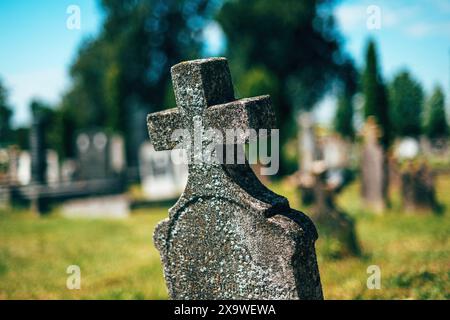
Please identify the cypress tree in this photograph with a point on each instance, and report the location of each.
(406, 101)
(5, 117)
(376, 102)
(343, 121)
(436, 125)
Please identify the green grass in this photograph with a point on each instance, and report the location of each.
(118, 260)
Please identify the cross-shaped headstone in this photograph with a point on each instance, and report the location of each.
(228, 236)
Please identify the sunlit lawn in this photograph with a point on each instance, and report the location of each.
(118, 261)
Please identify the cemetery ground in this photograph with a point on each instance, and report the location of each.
(118, 260)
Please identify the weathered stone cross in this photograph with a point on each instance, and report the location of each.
(228, 236)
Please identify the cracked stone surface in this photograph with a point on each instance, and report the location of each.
(228, 236)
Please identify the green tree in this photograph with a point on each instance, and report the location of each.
(5, 117)
(343, 121)
(21, 137)
(436, 125)
(50, 116)
(296, 40)
(375, 95)
(127, 65)
(406, 103)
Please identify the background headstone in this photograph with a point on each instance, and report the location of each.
(4, 165)
(138, 134)
(117, 154)
(374, 169)
(336, 152)
(418, 189)
(68, 170)
(335, 227)
(53, 171)
(93, 155)
(407, 148)
(37, 150)
(308, 153)
(13, 165)
(161, 178)
(24, 169)
(228, 236)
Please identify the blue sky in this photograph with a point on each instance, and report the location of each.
(414, 35)
(37, 48)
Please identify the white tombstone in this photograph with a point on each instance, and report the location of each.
(407, 148)
(117, 153)
(24, 168)
(335, 152)
(161, 177)
(53, 172)
(68, 170)
(307, 142)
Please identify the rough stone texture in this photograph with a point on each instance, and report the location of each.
(228, 236)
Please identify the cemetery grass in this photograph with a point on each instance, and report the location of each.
(118, 260)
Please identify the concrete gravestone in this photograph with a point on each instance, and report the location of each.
(336, 227)
(24, 168)
(161, 178)
(93, 157)
(373, 168)
(228, 237)
(308, 153)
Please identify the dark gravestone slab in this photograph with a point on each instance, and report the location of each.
(336, 228)
(93, 155)
(37, 150)
(418, 189)
(228, 236)
(39, 204)
(137, 136)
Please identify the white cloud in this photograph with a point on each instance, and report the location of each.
(350, 17)
(23, 87)
(423, 29)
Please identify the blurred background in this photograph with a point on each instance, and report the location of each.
(360, 90)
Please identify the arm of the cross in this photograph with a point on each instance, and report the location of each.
(161, 125)
(249, 113)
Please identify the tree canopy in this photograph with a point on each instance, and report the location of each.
(5, 117)
(343, 121)
(296, 45)
(126, 67)
(406, 103)
(375, 94)
(436, 125)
